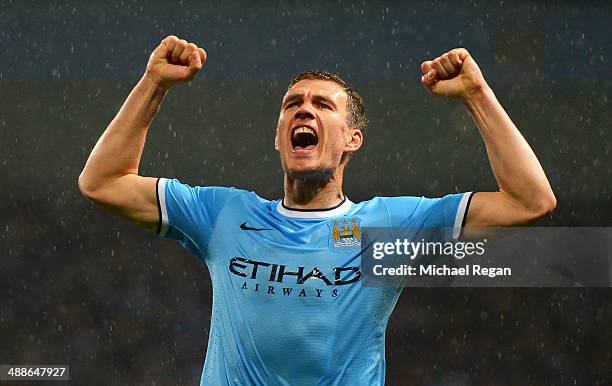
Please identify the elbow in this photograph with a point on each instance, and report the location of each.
(86, 187)
(544, 205)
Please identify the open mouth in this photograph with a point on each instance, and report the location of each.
(304, 138)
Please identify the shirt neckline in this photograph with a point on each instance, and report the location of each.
(334, 211)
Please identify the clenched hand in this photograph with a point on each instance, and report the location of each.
(175, 61)
(453, 74)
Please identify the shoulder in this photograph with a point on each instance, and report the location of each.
(421, 211)
(209, 194)
(390, 203)
(389, 208)
(411, 205)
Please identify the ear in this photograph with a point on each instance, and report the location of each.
(355, 140)
(276, 145)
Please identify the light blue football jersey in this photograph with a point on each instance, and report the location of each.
(288, 307)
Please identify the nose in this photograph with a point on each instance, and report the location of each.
(304, 112)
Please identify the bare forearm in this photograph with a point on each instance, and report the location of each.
(524, 192)
(110, 177)
(516, 167)
(119, 149)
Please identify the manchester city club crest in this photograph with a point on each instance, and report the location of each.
(345, 234)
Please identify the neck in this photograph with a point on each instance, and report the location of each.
(321, 191)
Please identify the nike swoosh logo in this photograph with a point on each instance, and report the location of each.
(245, 227)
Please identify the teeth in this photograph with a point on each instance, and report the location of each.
(303, 129)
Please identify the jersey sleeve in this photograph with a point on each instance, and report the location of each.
(447, 212)
(189, 214)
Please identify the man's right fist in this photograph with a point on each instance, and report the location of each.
(175, 61)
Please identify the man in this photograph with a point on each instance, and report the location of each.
(288, 307)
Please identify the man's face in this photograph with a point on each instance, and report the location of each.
(312, 132)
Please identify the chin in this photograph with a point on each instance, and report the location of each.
(314, 173)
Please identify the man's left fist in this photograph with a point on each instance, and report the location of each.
(453, 74)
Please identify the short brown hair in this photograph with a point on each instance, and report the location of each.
(356, 116)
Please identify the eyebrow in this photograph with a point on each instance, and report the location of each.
(300, 96)
(293, 97)
(323, 98)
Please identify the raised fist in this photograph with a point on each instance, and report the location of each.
(175, 61)
(453, 74)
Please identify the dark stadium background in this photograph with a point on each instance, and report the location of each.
(124, 307)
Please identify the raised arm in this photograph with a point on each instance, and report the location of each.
(110, 176)
(524, 192)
